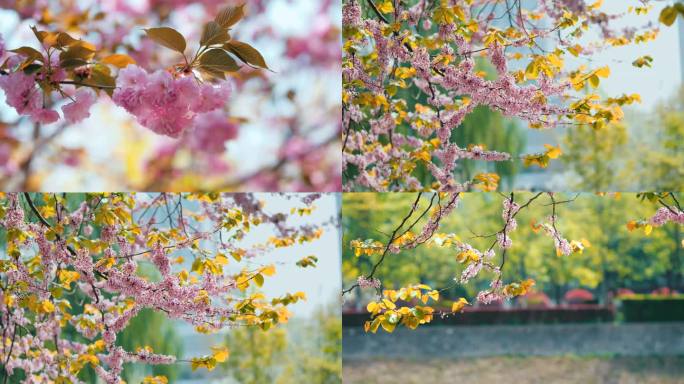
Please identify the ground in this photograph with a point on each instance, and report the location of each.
(527, 370)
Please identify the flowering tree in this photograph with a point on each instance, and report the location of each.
(421, 225)
(74, 263)
(412, 73)
(183, 87)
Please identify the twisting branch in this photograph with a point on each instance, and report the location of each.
(377, 11)
(393, 237)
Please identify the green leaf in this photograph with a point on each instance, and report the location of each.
(48, 39)
(259, 279)
(227, 17)
(168, 37)
(594, 81)
(218, 60)
(29, 52)
(246, 53)
(32, 68)
(668, 15)
(101, 79)
(212, 73)
(65, 40)
(208, 362)
(75, 56)
(72, 63)
(213, 33)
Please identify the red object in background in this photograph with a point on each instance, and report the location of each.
(664, 291)
(624, 292)
(536, 300)
(578, 296)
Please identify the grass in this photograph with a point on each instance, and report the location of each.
(527, 370)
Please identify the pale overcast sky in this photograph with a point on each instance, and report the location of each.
(653, 84)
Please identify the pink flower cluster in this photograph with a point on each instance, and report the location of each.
(562, 244)
(365, 282)
(510, 208)
(164, 104)
(665, 215)
(23, 95)
(211, 131)
(79, 109)
(351, 13)
(28, 99)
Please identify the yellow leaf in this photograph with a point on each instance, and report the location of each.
(458, 305)
(603, 72)
(596, 5)
(118, 60)
(88, 358)
(68, 277)
(552, 152)
(9, 300)
(203, 362)
(221, 259)
(386, 6)
(422, 155)
(372, 307)
(259, 279)
(269, 270)
(106, 263)
(594, 81)
(648, 228)
(388, 304)
(388, 326)
(168, 37)
(47, 211)
(155, 380)
(46, 306)
(668, 15)
(220, 353)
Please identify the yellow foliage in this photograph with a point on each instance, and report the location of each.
(220, 353)
(458, 305)
(155, 380)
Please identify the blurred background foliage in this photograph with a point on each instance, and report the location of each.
(617, 258)
(644, 152)
(305, 351)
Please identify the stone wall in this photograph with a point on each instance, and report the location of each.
(642, 339)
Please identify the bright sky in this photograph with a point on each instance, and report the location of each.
(322, 284)
(653, 84)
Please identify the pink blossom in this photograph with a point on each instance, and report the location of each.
(351, 13)
(21, 92)
(211, 131)
(45, 116)
(164, 104)
(665, 215)
(79, 109)
(365, 282)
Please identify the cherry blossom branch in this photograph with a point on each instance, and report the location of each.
(393, 236)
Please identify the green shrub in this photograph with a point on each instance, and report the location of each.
(646, 308)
